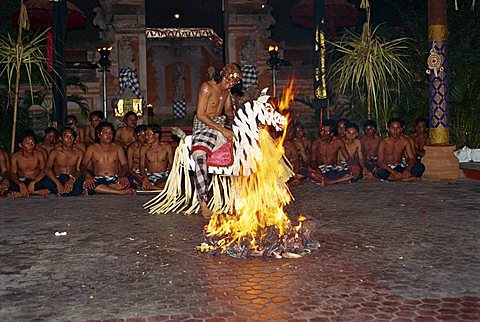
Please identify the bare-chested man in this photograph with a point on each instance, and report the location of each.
(28, 169)
(4, 171)
(156, 159)
(342, 128)
(323, 161)
(49, 139)
(354, 148)
(63, 165)
(133, 156)
(370, 143)
(214, 99)
(391, 151)
(124, 136)
(72, 121)
(296, 155)
(303, 144)
(89, 132)
(109, 164)
(420, 137)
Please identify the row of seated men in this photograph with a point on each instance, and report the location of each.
(339, 155)
(64, 165)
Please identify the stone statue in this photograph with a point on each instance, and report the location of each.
(178, 81)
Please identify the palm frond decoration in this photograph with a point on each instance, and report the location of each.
(23, 55)
(372, 67)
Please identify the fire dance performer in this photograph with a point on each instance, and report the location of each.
(209, 131)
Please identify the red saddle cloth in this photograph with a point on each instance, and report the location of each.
(222, 157)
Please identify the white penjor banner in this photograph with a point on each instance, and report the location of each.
(185, 33)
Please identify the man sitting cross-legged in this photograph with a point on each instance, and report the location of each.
(49, 138)
(89, 134)
(156, 159)
(370, 143)
(391, 150)
(72, 121)
(108, 162)
(4, 171)
(420, 137)
(354, 148)
(295, 155)
(133, 156)
(28, 169)
(63, 165)
(124, 136)
(323, 161)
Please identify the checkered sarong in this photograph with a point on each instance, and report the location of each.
(250, 77)
(324, 168)
(157, 177)
(179, 108)
(205, 138)
(204, 142)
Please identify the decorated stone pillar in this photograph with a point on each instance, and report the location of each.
(438, 71)
(440, 163)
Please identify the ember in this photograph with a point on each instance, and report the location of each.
(259, 226)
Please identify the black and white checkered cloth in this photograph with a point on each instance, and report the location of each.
(250, 77)
(128, 77)
(179, 108)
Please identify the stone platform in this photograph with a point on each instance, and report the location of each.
(389, 252)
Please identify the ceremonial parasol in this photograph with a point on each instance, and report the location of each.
(40, 14)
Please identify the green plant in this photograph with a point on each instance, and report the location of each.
(22, 55)
(465, 109)
(371, 68)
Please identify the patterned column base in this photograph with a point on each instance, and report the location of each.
(440, 163)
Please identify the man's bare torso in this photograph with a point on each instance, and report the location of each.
(393, 150)
(370, 146)
(66, 161)
(156, 157)
(326, 152)
(216, 101)
(125, 136)
(28, 165)
(105, 159)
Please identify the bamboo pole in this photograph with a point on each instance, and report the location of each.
(17, 79)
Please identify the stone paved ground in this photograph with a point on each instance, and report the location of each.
(395, 252)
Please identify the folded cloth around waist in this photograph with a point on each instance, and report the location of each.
(324, 168)
(205, 138)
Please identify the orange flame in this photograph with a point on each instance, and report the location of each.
(260, 197)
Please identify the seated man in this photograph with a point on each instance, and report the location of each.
(156, 159)
(323, 162)
(354, 148)
(49, 138)
(89, 133)
(370, 143)
(303, 144)
(420, 137)
(124, 136)
(109, 164)
(295, 154)
(133, 156)
(4, 171)
(72, 121)
(391, 150)
(341, 131)
(63, 165)
(28, 169)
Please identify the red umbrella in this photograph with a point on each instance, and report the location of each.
(338, 13)
(40, 14)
